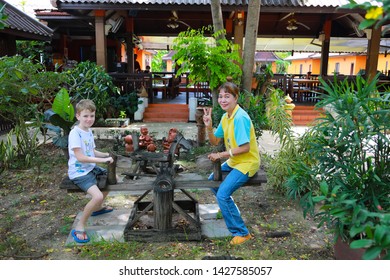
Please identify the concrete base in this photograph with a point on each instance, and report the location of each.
(111, 226)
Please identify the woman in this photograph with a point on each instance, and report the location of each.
(242, 154)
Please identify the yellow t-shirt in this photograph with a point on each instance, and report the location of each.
(237, 131)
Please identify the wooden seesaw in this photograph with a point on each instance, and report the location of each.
(163, 207)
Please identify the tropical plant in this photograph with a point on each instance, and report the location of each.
(25, 88)
(263, 79)
(62, 117)
(128, 104)
(21, 143)
(282, 163)
(348, 176)
(30, 49)
(158, 64)
(90, 81)
(282, 66)
(7, 153)
(207, 61)
(255, 106)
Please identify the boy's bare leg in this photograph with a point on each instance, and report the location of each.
(94, 204)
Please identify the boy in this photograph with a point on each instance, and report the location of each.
(82, 168)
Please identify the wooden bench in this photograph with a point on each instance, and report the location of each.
(69, 186)
(103, 181)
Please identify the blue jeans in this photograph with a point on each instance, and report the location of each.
(233, 181)
(90, 179)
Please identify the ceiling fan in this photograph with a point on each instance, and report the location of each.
(174, 21)
(113, 24)
(292, 23)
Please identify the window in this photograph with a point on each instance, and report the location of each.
(337, 68)
(352, 68)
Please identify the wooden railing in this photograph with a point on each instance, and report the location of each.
(165, 82)
(128, 83)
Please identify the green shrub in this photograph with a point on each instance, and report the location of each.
(90, 81)
(127, 103)
(25, 88)
(350, 165)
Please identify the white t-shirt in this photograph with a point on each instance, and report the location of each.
(79, 138)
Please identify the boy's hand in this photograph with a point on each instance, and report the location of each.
(109, 160)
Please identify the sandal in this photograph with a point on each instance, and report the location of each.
(104, 210)
(80, 232)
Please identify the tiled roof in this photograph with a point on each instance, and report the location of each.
(279, 3)
(265, 56)
(50, 13)
(24, 26)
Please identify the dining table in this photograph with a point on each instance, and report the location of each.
(161, 83)
(304, 89)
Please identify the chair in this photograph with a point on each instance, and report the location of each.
(202, 92)
(173, 86)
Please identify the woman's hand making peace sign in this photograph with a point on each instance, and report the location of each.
(207, 117)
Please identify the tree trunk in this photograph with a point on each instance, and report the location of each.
(252, 24)
(216, 12)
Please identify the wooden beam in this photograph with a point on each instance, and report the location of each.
(373, 53)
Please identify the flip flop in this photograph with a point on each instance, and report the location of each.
(104, 210)
(74, 235)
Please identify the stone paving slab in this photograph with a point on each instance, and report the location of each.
(109, 226)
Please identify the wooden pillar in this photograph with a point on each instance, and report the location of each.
(325, 48)
(239, 30)
(129, 44)
(101, 44)
(374, 39)
(229, 28)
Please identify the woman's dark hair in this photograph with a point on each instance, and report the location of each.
(229, 87)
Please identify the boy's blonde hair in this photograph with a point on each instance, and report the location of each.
(85, 104)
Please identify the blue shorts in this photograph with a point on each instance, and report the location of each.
(90, 179)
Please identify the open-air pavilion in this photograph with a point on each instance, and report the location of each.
(299, 25)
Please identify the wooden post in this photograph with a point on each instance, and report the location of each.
(201, 126)
(162, 208)
(217, 170)
(111, 171)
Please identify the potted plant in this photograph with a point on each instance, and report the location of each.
(346, 182)
(123, 120)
